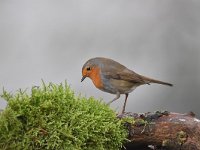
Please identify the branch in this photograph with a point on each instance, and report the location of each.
(163, 130)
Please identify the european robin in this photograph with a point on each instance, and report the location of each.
(113, 77)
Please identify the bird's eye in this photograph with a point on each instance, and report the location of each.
(88, 68)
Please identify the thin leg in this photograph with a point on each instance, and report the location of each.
(117, 97)
(124, 107)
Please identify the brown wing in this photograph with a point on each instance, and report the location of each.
(115, 70)
(135, 78)
(126, 75)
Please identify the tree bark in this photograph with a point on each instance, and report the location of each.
(163, 130)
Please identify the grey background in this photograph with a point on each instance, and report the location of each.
(51, 40)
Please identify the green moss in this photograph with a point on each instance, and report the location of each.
(52, 117)
(140, 122)
(128, 119)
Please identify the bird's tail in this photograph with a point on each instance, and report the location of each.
(150, 80)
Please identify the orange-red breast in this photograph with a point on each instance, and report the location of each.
(112, 77)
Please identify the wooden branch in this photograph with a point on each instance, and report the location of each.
(163, 130)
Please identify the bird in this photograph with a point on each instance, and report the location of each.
(110, 76)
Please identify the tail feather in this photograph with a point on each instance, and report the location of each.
(150, 80)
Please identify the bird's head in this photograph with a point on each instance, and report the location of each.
(89, 69)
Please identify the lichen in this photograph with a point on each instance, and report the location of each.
(181, 137)
(166, 142)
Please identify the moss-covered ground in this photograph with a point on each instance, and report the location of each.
(53, 117)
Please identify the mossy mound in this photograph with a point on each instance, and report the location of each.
(52, 117)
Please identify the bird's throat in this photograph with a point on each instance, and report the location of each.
(95, 76)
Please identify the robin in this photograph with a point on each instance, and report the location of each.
(113, 77)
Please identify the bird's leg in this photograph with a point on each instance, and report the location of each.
(117, 97)
(124, 107)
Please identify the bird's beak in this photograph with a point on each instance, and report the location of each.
(83, 78)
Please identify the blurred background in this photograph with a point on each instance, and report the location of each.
(51, 40)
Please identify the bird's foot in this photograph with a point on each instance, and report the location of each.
(120, 115)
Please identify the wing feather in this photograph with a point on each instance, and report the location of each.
(126, 75)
